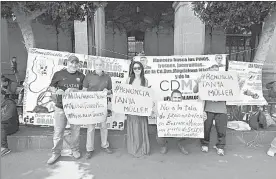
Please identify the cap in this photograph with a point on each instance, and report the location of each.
(73, 58)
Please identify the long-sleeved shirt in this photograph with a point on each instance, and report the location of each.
(9, 114)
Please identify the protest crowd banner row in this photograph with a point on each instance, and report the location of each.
(164, 74)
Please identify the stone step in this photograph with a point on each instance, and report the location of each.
(33, 137)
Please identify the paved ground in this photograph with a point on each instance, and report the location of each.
(239, 163)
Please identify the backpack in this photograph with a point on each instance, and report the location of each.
(271, 89)
(258, 120)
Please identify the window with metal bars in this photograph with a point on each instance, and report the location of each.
(239, 47)
(135, 42)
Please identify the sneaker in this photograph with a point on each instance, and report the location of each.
(53, 159)
(204, 149)
(271, 152)
(164, 150)
(5, 151)
(76, 154)
(182, 149)
(107, 150)
(220, 152)
(89, 154)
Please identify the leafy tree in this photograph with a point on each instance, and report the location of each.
(241, 16)
(57, 11)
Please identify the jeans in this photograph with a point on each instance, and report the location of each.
(163, 141)
(221, 126)
(5, 131)
(91, 136)
(59, 127)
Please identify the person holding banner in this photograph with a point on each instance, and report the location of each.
(97, 81)
(137, 126)
(176, 96)
(216, 110)
(66, 80)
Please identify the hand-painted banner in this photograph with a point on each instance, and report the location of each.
(180, 119)
(219, 86)
(250, 82)
(38, 107)
(166, 73)
(129, 99)
(83, 108)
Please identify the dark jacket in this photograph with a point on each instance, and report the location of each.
(9, 114)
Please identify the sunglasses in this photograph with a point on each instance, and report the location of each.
(137, 68)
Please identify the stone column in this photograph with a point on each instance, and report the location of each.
(99, 20)
(91, 36)
(81, 37)
(5, 50)
(189, 30)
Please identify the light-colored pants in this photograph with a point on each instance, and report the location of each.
(273, 143)
(91, 136)
(59, 127)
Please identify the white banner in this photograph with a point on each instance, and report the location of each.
(38, 107)
(83, 108)
(134, 100)
(219, 86)
(166, 73)
(180, 119)
(250, 81)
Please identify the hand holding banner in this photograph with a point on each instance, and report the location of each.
(85, 107)
(219, 86)
(128, 99)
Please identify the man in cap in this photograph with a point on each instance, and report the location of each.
(69, 79)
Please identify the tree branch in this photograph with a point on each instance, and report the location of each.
(37, 13)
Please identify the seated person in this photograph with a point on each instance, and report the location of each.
(176, 96)
(9, 121)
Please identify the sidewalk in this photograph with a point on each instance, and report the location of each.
(239, 163)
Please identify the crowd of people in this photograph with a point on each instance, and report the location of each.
(138, 144)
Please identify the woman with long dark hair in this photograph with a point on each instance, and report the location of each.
(137, 126)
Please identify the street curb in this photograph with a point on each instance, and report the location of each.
(32, 138)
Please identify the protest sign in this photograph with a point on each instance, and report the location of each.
(38, 107)
(167, 73)
(180, 119)
(134, 100)
(85, 107)
(219, 86)
(250, 82)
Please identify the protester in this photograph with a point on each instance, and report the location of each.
(137, 126)
(97, 81)
(176, 96)
(65, 80)
(9, 121)
(272, 150)
(216, 110)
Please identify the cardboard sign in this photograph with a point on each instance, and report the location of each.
(250, 82)
(219, 86)
(180, 119)
(129, 99)
(85, 107)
